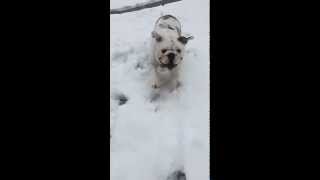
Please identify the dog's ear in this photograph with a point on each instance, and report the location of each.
(185, 38)
(156, 36)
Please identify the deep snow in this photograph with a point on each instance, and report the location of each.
(150, 140)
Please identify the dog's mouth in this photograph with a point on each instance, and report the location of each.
(169, 65)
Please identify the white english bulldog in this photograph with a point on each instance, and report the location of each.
(168, 48)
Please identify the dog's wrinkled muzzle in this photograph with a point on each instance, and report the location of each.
(171, 64)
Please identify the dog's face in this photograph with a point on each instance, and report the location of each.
(169, 49)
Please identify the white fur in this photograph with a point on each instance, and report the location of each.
(168, 30)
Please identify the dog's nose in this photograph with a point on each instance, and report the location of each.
(171, 56)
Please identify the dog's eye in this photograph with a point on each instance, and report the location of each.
(163, 51)
(179, 50)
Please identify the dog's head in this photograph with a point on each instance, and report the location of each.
(169, 48)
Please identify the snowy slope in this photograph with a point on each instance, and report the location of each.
(150, 140)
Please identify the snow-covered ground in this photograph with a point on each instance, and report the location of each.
(150, 140)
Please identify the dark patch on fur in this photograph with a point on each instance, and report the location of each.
(183, 40)
(156, 36)
(165, 17)
(169, 27)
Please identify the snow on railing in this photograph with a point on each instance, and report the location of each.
(139, 6)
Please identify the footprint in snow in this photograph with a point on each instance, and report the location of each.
(120, 98)
(177, 175)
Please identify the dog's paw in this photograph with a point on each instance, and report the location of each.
(155, 86)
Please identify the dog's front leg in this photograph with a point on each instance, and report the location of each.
(155, 84)
(155, 88)
(155, 81)
(176, 83)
